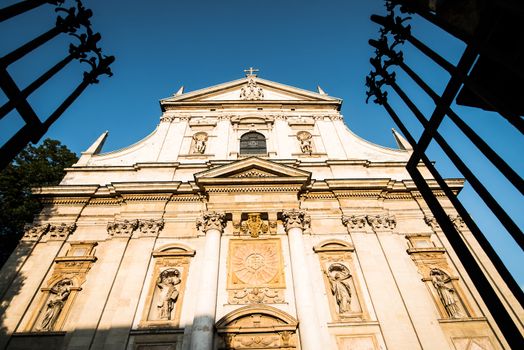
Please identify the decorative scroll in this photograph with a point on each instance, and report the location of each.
(255, 271)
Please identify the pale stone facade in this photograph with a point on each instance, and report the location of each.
(251, 218)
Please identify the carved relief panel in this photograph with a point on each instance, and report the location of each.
(61, 288)
(255, 271)
(343, 290)
(164, 299)
(437, 275)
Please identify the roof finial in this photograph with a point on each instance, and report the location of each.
(249, 72)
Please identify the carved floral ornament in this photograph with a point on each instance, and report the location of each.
(125, 228)
(376, 222)
(251, 91)
(49, 231)
(211, 220)
(295, 218)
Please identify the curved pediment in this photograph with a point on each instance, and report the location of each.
(252, 317)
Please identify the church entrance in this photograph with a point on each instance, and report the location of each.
(257, 327)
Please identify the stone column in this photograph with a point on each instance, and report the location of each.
(310, 334)
(213, 224)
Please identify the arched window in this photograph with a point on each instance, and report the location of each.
(253, 143)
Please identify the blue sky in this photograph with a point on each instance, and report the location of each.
(161, 45)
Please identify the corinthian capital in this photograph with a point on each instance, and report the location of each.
(353, 222)
(34, 232)
(458, 222)
(61, 231)
(123, 228)
(296, 218)
(150, 227)
(211, 220)
(384, 221)
(432, 222)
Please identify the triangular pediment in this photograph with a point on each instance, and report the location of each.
(235, 91)
(252, 170)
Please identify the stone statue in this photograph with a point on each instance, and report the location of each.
(167, 282)
(338, 276)
(200, 140)
(306, 146)
(446, 292)
(58, 296)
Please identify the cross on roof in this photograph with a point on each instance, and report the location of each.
(250, 71)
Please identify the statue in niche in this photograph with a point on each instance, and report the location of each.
(338, 276)
(200, 140)
(58, 296)
(446, 292)
(306, 145)
(167, 282)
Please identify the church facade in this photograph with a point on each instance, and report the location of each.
(251, 218)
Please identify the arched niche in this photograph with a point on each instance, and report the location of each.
(165, 295)
(253, 143)
(257, 327)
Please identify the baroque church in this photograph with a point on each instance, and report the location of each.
(250, 218)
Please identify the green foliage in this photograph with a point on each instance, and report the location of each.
(33, 167)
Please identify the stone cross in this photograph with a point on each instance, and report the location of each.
(250, 71)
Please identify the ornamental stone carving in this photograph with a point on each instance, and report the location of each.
(254, 225)
(211, 220)
(381, 222)
(458, 222)
(150, 227)
(339, 279)
(432, 222)
(122, 228)
(354, 222)
(446, 293)
(199, 142)
(167, 283)
(256, 295)
(251, 91)
(60, 231)
(34, 232)
(58, 295)
(295, 218)
(306, 142)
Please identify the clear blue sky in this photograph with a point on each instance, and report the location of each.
(161, 45)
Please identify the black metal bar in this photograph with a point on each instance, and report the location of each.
(12, 92)
(29, 46)
(499, 212)
(441, 61)
(12, 103)
(495, 306)
(19, 8)
(475, 230)
(17, 142)
(448, 96)
(490, 154)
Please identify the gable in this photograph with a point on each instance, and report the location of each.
(253, 171)
(249, 89)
